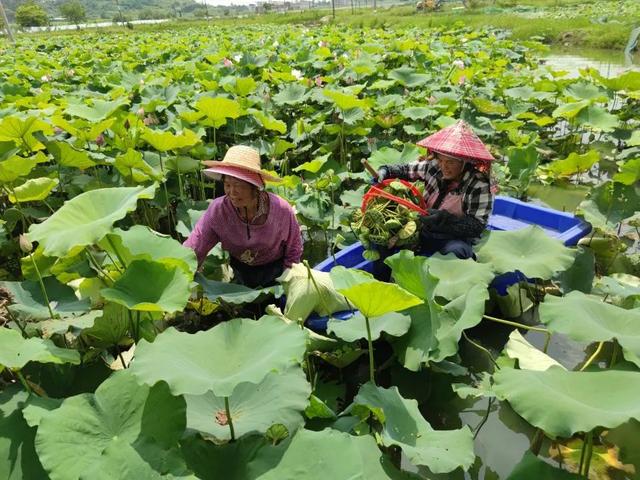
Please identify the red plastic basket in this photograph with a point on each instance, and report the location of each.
(377, 191)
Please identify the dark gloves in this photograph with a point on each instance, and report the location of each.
(383, 174)
(444, 225)
(392, 171)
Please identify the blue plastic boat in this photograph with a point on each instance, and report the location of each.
(508, 214)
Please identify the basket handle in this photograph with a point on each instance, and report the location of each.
(376, 191)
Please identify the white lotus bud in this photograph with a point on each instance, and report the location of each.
(25, 245)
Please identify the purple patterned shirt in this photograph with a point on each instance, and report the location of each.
(278, 237)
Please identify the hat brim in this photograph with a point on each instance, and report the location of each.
(217, 168)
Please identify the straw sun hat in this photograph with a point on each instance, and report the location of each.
(241, 162)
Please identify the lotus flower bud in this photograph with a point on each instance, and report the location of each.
(71, 72)
(462, 79)
(25, 244)
(141, 82)
(227, 63)
(140, 112)
(319, 81)
(297, 74)
(100, 140)
(46, 78)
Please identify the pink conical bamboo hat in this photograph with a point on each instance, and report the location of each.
(458, 140)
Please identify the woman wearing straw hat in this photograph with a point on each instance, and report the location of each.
(257, 228)
(457, 189)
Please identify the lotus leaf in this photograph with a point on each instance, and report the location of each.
(598, 118)
(16, 352)
(291, 94)
(345, 101)
(100, 109)
(21, 132)
(142, 242)
(218, 109)
(562, 403)
(33, 190)
(61, 326)
(412, 273)
(528, 356)
(219, 359)
(18, 458)
(574, 163)
(85, 219)
(109, 329)
(151, 286)
(374, 298)
(228, 292)
(599, 321)
(479, 389)
(610, 203)
(30, 304)
(268, 122)
(279, 398)
(408, 77)
(165, 141)
(76, 438)
(621, 287)
(570, 110)
(533, 468)
(456, 277)
(528, 250)
(390, 156)
(131, 164)
(629, 173)
(67, 156)
(403, 425)
(355, 328)
(15, 166)
(310, 290)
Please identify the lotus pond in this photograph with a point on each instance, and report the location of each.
(118, 360)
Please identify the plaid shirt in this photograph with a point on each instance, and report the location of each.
(475, 188)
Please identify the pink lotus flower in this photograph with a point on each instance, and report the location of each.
(100, 140)
(462, 79)
(46, 78)
(458, 63)
(227, 63)
(319, 81)
(322, 43)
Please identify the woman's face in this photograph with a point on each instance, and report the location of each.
(451, 167)
(242, 194)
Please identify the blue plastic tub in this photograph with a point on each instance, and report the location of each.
(508, 214)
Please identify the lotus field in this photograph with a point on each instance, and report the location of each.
(119, 360)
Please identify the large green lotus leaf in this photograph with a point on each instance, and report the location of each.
(67, 156)
(227, 292)
(610, 203)
(291, 94)
(19, 131)
(76, 437)
(99, 110)
(142, 242)
(456, 276)
(414, 349)
(375, 298)
(408, 77)
(412, 273)
(355, 328)
(85, 219)
(310, 290)
(562, 403)
(110, 329)
(18, 458)
(15, 167)
(403, 425)
(629, 81)
(182, 164)
(279, 398)
(528, 356)
(461, 313)
(345, 101)
(629, 173)
(534, 468)
(165, 141)
(598, 321)
(16, 351)
(268, 122)
(151, 286)
(33, 190)
(334, 454)
(132, 164)
(390, 156)
(622, 288)
(574, 163)
(218, 109)
(528, 250)
(237, 351)
(597, 118)
(570, 110)
(30, 304)
(62, 325)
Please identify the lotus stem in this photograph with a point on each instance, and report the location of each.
(484, 419)
(124, 365)
(525, 327)
(115, 250)
(229, 419)
(44, 290)
(589, 448)
(536, 441)
(23, 381)
(370, 342)
(477, 345)
(614, 354)
(592, 357)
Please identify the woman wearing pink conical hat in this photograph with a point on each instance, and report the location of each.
(457, 189)
(257, 228)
